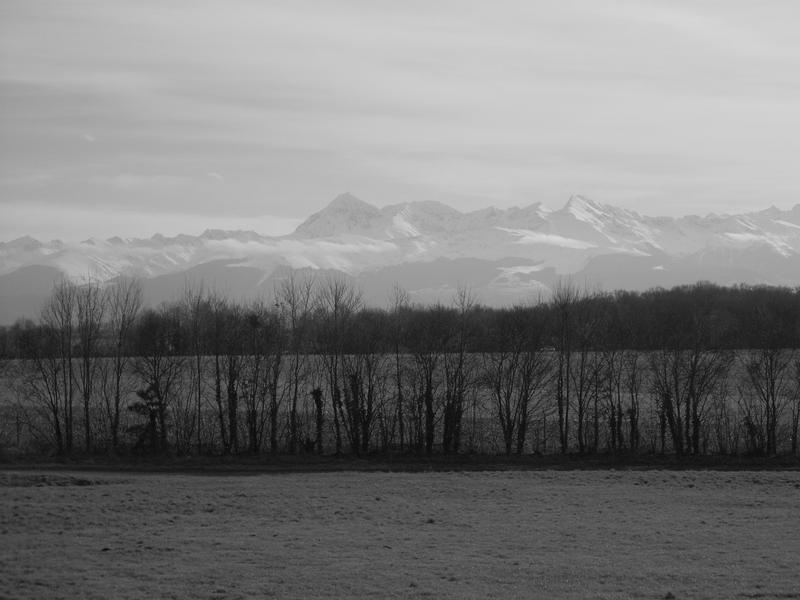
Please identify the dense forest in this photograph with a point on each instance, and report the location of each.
(694, 370)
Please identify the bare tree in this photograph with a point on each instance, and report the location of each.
(611, 373)
(295, 297)
(196, 306)
(233, 356)
(274, 368)
(399, 306)
(683, 380)
(769, 385)
(337, 302)
(689, 366)
(160, 370)
(633, 380)
(429, 336)
(795, 408)
(40, 383)
(564, 299)
(216, 317)
(262, 335)
(124, 301)
(515, 371)
(58, 318)
(181, 415)
(91, 305)
(227, 339)
(585, 369)
(366, 371)
(456, 370)
(667, 387)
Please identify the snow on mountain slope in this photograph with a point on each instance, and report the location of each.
(519, 250)
(345, 214)
(526, 236)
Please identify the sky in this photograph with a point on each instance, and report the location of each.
(131, 118)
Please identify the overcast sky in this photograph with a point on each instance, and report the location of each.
(130, 118)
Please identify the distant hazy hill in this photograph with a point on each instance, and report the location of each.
(429, 248)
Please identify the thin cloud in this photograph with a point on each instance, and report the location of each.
(139, 181)
(661, 106)
(46, 222)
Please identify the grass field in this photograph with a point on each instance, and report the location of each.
(518, 534)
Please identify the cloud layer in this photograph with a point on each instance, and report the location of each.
(238, 109)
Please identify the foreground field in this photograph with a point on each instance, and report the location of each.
(546, 534)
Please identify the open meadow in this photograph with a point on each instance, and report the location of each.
(513, 534)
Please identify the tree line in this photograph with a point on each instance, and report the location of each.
(695, 369)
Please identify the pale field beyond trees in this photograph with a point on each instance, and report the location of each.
(535, 534)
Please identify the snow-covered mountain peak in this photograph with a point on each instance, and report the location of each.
(345, 214)
(500, 251)
(577, 203)
(434, 207)
(93, 241)
(25, 243)
(427, 217)
(582, 219)
(348, 203)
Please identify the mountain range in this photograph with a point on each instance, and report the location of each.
(504, 256)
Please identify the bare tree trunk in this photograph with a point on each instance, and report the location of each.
(58, 316)
(319, 408)
(124, 301)
(565, 297)
(233, 403)
(429, 415)
(91, 308)
(220, 408)
(295, 299)
(399, 301)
